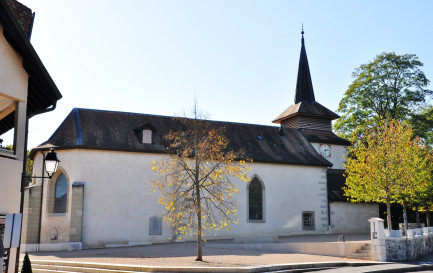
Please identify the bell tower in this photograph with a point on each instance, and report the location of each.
(306, 113)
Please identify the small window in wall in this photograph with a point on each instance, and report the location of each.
(255, 200)
(8, 112)
(147, 136)
(155, 226)
(308, 220)
(61, 190)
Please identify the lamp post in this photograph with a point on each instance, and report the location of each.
(49, 165)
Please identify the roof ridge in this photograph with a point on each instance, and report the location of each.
(155, 115)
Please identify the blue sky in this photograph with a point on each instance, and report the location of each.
(238, 58)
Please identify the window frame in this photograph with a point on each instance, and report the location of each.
(256, 179)
(10, 109)
(64, 196)
(311, 216)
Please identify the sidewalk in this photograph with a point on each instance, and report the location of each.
(182, 255)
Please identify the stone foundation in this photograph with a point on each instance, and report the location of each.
(408, 248)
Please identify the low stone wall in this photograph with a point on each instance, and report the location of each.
(408, 248)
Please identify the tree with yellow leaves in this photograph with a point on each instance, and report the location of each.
(195, 180)
(388, 165)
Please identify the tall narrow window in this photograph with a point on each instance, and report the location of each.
(60, 194)
(255, 200)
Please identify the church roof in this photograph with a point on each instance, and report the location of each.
(323, 136)
(307, 109)
(304, 86)
(116, 131)
(305, 102)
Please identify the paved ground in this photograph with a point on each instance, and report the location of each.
(184, 254)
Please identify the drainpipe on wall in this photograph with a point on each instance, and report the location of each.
(23, 176)
(329, 206)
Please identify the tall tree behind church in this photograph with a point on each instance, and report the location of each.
(389, 87)
(195, 181)
(388, 165)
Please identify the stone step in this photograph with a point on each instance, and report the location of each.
(81, 267)
(51, 271)
(363, 251)
(362, 256)
(61, 268)
(64, 266)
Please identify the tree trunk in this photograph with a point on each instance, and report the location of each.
(197, 189)
(198, 208)
(388, 213)
(405, 217)
(199, 244)
(427, 215)
(417, 216)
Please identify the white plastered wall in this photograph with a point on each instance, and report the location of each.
(338, 155)
(352, 218)
(13, 86)
(118, 203)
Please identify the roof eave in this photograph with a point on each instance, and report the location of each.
(33, 152)
(31, 61)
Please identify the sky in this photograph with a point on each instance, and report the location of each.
(238, 59)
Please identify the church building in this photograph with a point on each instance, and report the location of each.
(99, 197)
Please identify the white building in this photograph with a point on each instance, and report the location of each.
(100, 195)
(26, 89)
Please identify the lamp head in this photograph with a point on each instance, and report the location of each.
(51, 163)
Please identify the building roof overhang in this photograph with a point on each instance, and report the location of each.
(306, 109)
(42, 91)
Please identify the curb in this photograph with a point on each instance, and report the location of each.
(244, 269)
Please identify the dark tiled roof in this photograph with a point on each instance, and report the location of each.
(305, 102)
(336, 182)
(304, 85)
(307, 109)
(23, 15)
(109, 130)
(322, 136)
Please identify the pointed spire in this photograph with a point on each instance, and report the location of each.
(304, 86)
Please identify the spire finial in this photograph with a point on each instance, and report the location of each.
(302, 32)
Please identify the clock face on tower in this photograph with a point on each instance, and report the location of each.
(325, 150)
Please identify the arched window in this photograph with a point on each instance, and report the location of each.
(61, 190)
(255, 200)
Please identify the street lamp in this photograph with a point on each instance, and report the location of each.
(51, 163)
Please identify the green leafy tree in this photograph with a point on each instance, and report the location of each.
(195, 179)
(422, 123)
(29, 168)
(387, 166)
(423, 201)
(389, 87)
